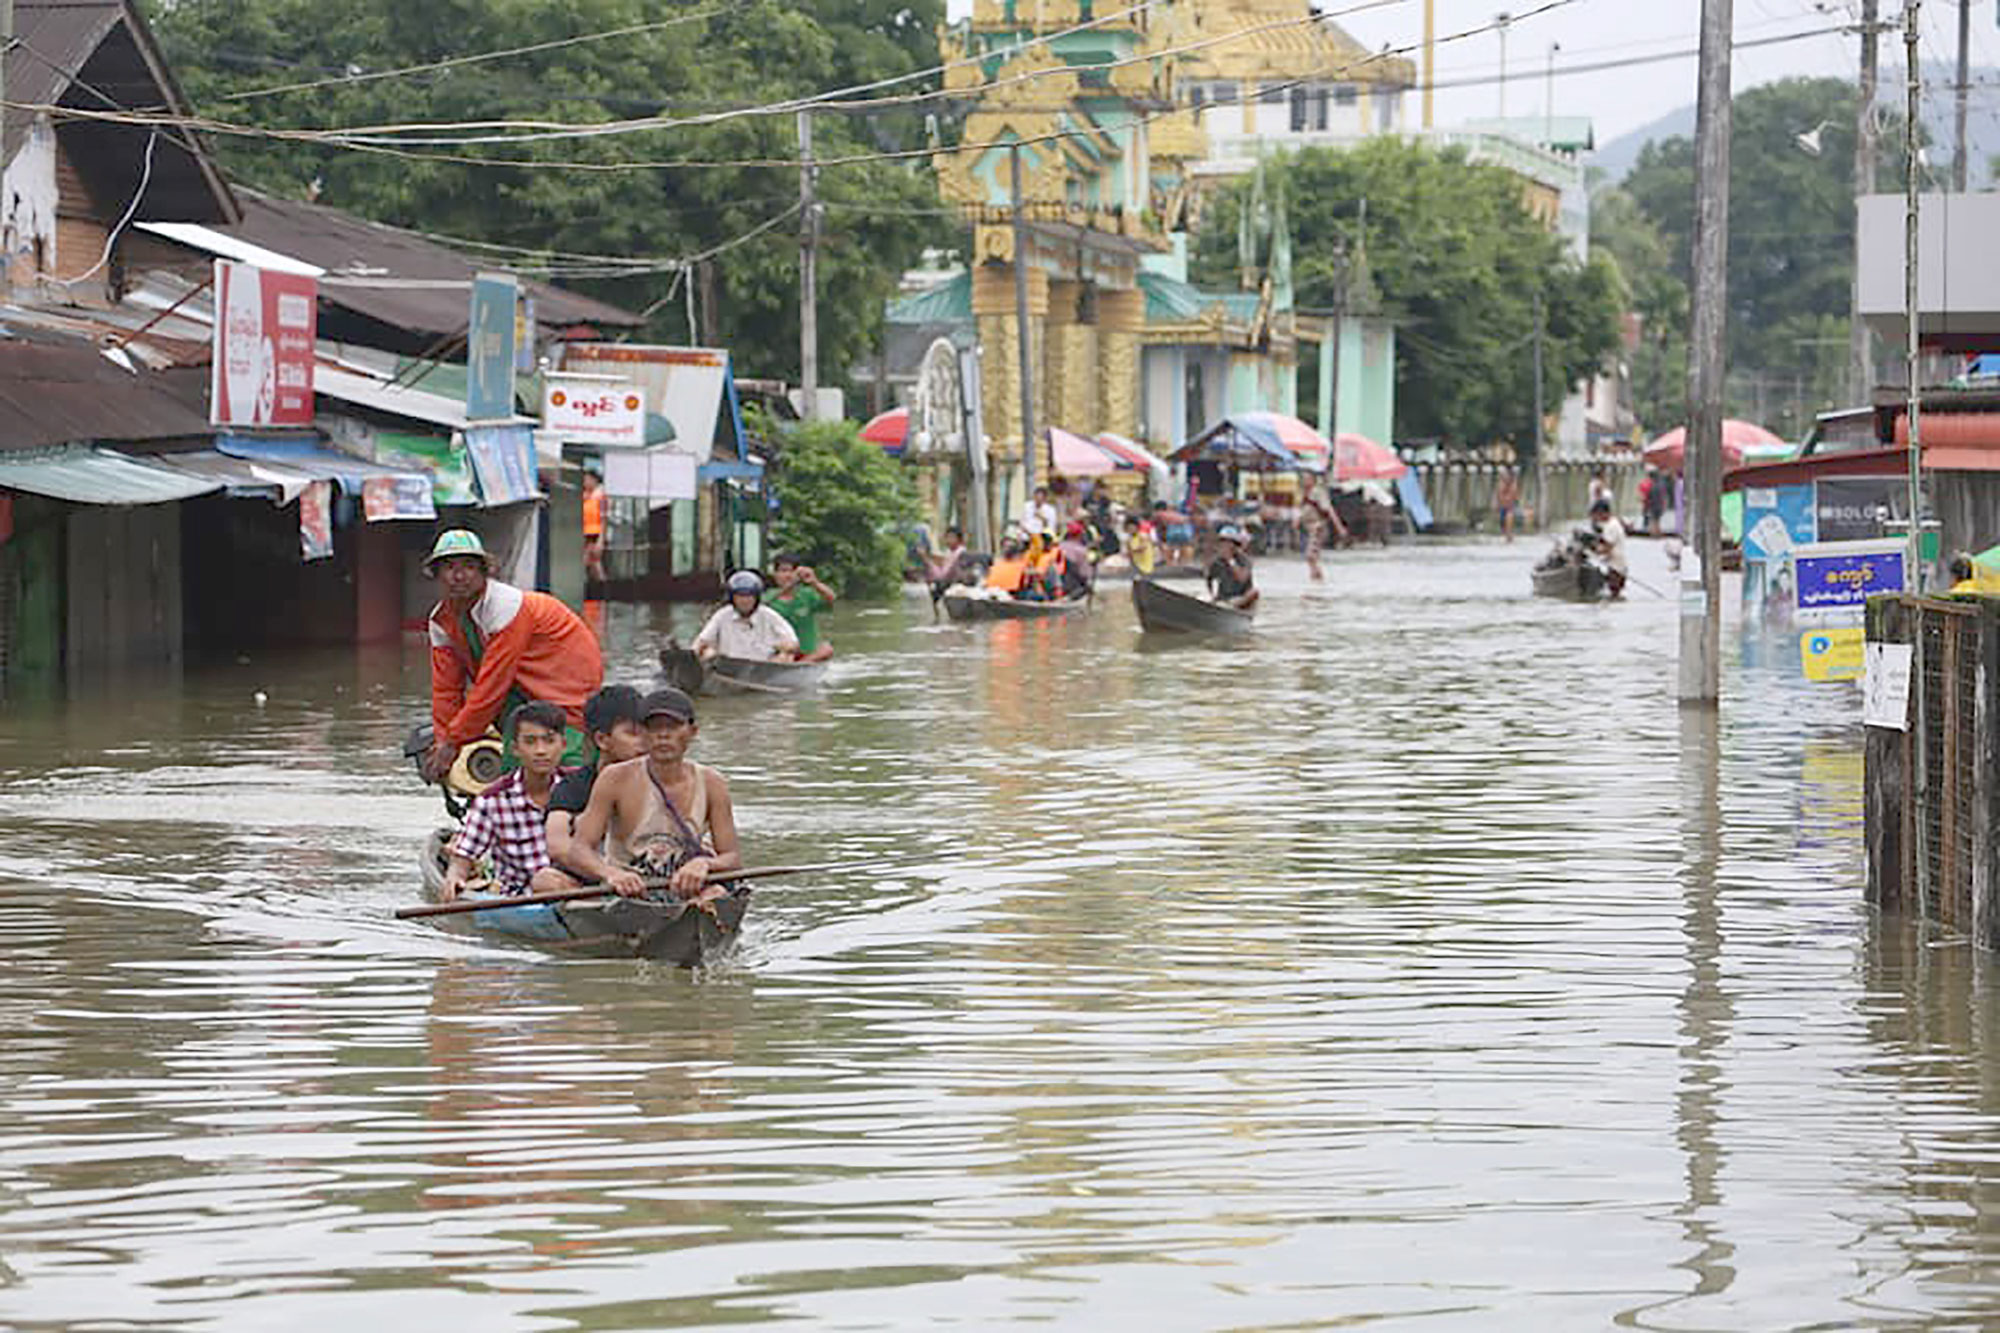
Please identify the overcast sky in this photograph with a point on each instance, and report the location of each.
(1593, 31)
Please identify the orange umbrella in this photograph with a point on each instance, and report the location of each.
(890, 429)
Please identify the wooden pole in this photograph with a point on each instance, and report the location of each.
(1022, 335)
(1861, 343)
(808, 272)
(1958, 162)
(1912, 217)
(1430, 57)
(1701, 604)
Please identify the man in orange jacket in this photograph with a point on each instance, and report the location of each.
(490, 642)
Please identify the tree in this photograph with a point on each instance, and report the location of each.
(840, 500)
(1791, 228)
(566, 195)
(1458, 262)
(1624, 236)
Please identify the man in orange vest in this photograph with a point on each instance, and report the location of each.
(593, 526)
(492, 643)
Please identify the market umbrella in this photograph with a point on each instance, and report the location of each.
(1358, 458)
(1074, 456)
(890, 429)
(1249, 440)
(1742, 441)
(1986, 570)
(1129, 452)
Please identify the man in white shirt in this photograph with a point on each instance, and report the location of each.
(1610, 545)
(746, 628)
(1039, 518)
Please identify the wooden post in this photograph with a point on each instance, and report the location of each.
(1885, 782)
(808, 273)
(1022, 337)
(1861, 345)
(1701, 605)
(1985, 924)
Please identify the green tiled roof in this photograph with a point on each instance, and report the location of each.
(949, 302)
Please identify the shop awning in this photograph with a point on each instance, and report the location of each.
(241, 478)
(410, 402)
(321, 463)
(90, 476)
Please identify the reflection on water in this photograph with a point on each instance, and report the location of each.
(1418, 958)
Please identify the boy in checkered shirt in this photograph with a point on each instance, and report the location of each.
(508, 821)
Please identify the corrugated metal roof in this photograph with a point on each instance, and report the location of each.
(353, 251)
(57, 390)
(241, 477)
(366, 391)
(97, 477)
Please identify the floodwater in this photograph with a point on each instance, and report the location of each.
(1419, 964)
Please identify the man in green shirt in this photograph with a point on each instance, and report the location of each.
(799, 598)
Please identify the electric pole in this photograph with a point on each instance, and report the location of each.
(808, 271)
(1701, 602)
(1021, 333)
(1541, 416)
(6, 43)
(1958, 164)
(1861, 343)
(1430, 56)
(1912, 214)
(1501, 21)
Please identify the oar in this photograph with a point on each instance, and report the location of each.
(598, 889)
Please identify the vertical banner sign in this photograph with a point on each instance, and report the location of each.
(262, 356)
(489, 348)
(316, 521)
(503, 458)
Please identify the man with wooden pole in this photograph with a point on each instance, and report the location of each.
(1701, 590)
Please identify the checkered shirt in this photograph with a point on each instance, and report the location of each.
(504, 822)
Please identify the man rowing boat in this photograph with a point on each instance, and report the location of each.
(663, 814)
(493, 644)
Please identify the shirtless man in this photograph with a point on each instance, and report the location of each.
(664, 814)
(614, 718)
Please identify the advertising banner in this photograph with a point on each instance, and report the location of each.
(1856, 508)
(1777, 518)
(489, 348)
(1833, 653)
(606, 413)
(654, 475)
(385, 498)
(316, 521)
(1832, 581)
(262, 355)
(503, 458)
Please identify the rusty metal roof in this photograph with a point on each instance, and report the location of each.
(100, 54)
(56, 390)
(395, 276)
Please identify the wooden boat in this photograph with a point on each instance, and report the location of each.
(662, 930)
(686, 670)
(1166, 610)
(974, 604)
(1178, 572)
(1567, 575)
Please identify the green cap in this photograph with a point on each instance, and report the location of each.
(457, 541)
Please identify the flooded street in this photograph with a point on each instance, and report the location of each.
(1418, 963)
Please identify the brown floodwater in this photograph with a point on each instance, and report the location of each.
(1419, 963)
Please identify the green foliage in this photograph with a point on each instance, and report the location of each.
(753, 52)
(1625, 237)
(840, 500)
(1791, 241)
(1457, 261)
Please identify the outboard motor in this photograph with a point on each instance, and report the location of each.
(478, 766)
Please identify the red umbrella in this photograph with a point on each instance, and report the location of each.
(1739, 438)
(1074, 456)
(1358, 458)
(890, 430)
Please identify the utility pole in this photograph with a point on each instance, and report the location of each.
(1861, 343)
(1541, 416)
(1958, 164)
(1430, 56)
(1701, 602)
(1501, 21)
(808, 270)
(1022, 336)
(1342, 272)
(6, 43)
(1912, 206)
(1549, 101)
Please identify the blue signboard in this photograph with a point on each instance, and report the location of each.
(503, 458)
(1776, 519)
(489, 349)
(1832, 581)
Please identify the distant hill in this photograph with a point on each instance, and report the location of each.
(1615, 157)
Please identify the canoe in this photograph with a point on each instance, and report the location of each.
(661, 930)
(685, 670)
(1178, 572)
(1570, 579)
(1164, 610)
(973, 604)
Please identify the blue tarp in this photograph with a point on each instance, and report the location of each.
(1412, 493)
(1243, 442)
(309, 455)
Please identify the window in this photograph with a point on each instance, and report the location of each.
(1343, 94)
(1299, 110)
(1198, 94)
(1274, 94)
(1388, 110)
(1319, 108)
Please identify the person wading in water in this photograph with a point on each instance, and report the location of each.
(664, 815)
